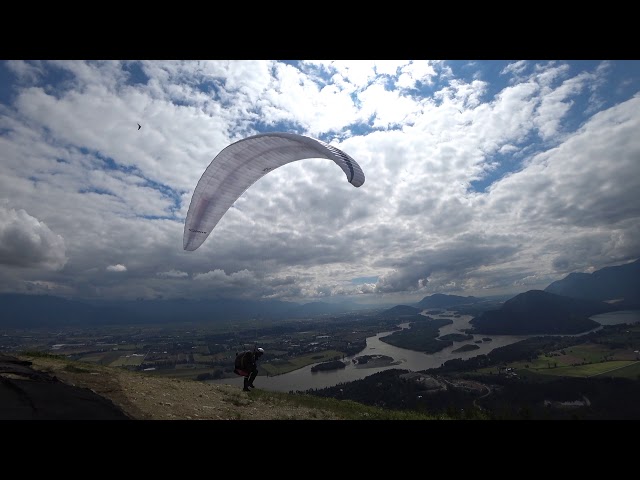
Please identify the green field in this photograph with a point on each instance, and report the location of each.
(214, 357)
(279, 367)
(127, 361)
(102, 358)
(583, 360)
(631, 370)
(184, 373)
(588, 370)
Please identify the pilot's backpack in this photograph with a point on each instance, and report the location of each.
(242, 359)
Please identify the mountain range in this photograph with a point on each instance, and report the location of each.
(611, 288)
(440, 300)
(619, 285)
(31, 311)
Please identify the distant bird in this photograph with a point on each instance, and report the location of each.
(139, 126)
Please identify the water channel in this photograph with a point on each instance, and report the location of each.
(304, 379)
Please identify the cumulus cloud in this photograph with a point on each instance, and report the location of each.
(26, 242)
(481, 177)
(116, 268)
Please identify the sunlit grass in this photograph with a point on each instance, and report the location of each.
(344, 409)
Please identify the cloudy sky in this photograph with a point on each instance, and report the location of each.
(482, 177)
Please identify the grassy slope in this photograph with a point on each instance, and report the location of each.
(154, 398)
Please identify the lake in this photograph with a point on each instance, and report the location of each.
(615, 318)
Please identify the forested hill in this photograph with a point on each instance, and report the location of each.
(400, 310)
(619, 285)
(439, 300)
(540, 312)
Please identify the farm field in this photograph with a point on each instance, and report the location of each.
(585, 360)
(275, 367)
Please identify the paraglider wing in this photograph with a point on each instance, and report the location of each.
(240, 165)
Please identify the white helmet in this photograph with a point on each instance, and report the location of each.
(260, 350)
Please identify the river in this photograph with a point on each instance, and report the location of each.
(304, 379)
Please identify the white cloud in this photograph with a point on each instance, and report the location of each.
(81, 187)
(27, 242)
(116, 268)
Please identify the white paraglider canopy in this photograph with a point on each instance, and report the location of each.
(241, 164)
